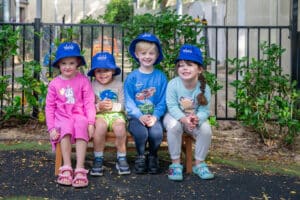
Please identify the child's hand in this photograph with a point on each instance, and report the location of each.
(91, 130)
(143, 119)
(54, 135)
(188, 123)
(194, 119)
(105, 105)
(151, 120)
(148, 120)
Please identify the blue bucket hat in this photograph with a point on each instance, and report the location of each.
(191, 53)
(104, 60)
(68, 49)
(147, 37)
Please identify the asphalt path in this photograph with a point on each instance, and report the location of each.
(30, 174)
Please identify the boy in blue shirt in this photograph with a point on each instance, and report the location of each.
(145, 90)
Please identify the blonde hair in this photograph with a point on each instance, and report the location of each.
(146, 46)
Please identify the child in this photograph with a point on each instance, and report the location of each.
(70, 113)
(145, 89)
(188, 101)
(110, 111)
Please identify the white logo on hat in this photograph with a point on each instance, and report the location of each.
(101, 57)
(68, 47)
(146, 35)
(187, 51)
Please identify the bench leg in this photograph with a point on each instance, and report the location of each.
(58, 159)
(188, 153)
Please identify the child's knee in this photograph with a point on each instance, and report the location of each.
(66, 137)
(174, 128)
(119, 127)
(171, 123)
(100, 121)
(206, 129)
(101, 124)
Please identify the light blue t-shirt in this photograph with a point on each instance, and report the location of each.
(181, 101)
(145, 94)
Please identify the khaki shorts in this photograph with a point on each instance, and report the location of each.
(110, 118)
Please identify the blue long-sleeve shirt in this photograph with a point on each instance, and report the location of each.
(145, 94)
(181, 101)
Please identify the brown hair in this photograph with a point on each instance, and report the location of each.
(200, 97)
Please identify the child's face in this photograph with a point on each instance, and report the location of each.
(104, 76)
(147, 57)
(68, 67)
(188, 71)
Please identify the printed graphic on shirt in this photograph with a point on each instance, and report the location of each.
(62, 91)
(187, 104)
(147, 107)
(69, 94)
(139, 85)
(108, 94)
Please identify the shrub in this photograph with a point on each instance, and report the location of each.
(8, 47)
(118, 11)
(265, 97)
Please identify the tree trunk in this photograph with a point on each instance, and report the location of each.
(163, 4)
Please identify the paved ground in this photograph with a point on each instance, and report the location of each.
(31, 174)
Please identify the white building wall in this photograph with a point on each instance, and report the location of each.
(81, 8)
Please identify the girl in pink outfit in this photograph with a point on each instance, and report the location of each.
(70, 113)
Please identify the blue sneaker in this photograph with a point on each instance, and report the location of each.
(122, 166)
(97, 169)
(202, 171)
(175, 172)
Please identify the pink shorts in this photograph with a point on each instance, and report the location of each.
(76, 127)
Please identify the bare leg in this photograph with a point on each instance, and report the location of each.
(66, 150)
(119, 129)
(176, 161)
(81, 146)
(100, 134)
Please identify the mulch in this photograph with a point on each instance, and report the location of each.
(30, 174)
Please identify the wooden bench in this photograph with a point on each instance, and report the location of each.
(187, 145)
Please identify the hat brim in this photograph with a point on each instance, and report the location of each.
(133, 45)
(189, 58)
(116, 68)
(55, 62)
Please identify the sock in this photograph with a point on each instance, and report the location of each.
(98, 154)
(119, 154)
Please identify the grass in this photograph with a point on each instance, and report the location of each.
(24, 145)
(269, 167)
(254, 165)
(266, 166)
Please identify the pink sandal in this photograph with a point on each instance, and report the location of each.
(80, 178)
(65, 178)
